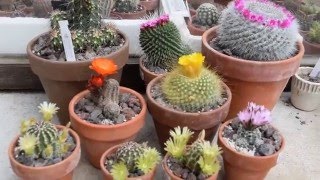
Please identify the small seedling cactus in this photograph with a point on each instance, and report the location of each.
(126, 6)
(132, 157)
(41, 139)
(207, 15)
(191, 86)
(160, 40)
(258, 30)
(199, 157)
(314, 33)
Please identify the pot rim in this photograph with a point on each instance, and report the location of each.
(296, 75)
(205, 35)
(150, 98)
(80, 95)
(76, 149)
(39, 58)
(222, 126)
(144, 68)
(108, 152)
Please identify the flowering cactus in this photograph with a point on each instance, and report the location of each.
(254, 115)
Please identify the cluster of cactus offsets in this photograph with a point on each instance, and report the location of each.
(79, 40)
(160, 40)
(125, 6)
(57, 16)
(191, 86)
(131, 157)
(207, 15)
(314, 33)
(200, 156)
(41, 139)
(258, 30)
(42, 8)
(56, 40)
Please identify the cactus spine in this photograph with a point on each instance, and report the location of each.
(258, 30)
(110, 93)
(207, 15)
(129, 153)
(193, 153)
(126, 6)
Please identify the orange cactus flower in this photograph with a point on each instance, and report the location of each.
(95, 82)
(103, 66)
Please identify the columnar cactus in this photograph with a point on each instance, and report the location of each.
(160, 40)
(207, 15)
(126, 6)
(314, 33)
(193, 153)
(191, 86)
(42, 8)
(110, 93)
(258, 30)
(105, 7)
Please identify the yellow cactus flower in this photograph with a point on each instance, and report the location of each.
(25, 124)
(28, 143)
(48, 110)
(191, 64)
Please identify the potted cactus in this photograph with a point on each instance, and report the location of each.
(63, 79)
(207, 16)
(196, 161)
(161, 43)
(250, 145)
(130, 160)
(106, 114)
(311, 39)
(128, 9)
(190, 95)
(255, 51)
(43, 149)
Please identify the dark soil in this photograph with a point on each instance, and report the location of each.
(178, 169)
(19, 8)
(41, 162)
(110, 160)
(139, 8)
(129, 104)
(308, 78)
(154, 69)
(43, 49)
(158, 96)
(260, 141)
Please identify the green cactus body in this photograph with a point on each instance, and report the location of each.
(207, 15)
(79, 40)
(126, 6)
(56, 40)
(110, 93)
(110, 36)
(314, 33)
(162, 43)
(95, 38)
(57, 16)
(46, 133)
(128, 153)
(192, 94)
(192, 155)
(258, 30)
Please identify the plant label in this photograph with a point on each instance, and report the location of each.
(66, 40)
(178, 5)
(316, 70)
(188, 9)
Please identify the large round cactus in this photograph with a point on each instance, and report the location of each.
(258, 30)
(207, 15)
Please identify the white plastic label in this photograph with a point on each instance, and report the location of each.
(316, 70)
(67, 41)
(188, 9)
(178, 5)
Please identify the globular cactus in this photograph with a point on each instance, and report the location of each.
(126, 6)
(160, 40)
(56, 40)
(314, 33)
(191, 86)
(110, 36)
(42, 8)
(258, 30)
(207, 15)
(95, 38)
(110, 93)
(193, 153)
(57, 16)
(129, 153)
(79, 40)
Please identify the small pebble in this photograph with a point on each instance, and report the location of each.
(266, 149)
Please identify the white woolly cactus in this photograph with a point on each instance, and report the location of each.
(258, 30)
(207, 15)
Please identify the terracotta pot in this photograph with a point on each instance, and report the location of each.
(174, 177)
(96, 139)
(60, 171)
(136, 15)
(244, 167)
(311, 48)
(145, 74)
(305, 95)
(165, 119)
(150, 4)
(195, 29)
(256, 81)
(106, 173)
(62, 80)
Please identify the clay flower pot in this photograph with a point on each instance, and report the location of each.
(145, 74)
(135, 15)
(96, 139)
(62, 80)
(107, 174)
(311, 48)
(166, 119)
(174, 177)
(195, 30)
(305, 95)
(60, 171)
(244, 167)
(250, 81)
(150, 5)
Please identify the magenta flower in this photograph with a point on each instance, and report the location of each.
(155, 22)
